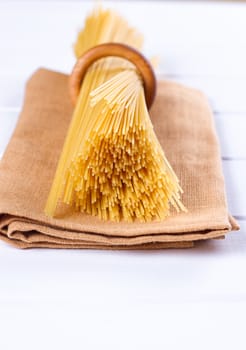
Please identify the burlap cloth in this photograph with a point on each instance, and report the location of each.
(184, 125)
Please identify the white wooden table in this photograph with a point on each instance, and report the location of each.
(175, 299)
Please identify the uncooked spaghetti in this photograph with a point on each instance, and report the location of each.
(112, 164)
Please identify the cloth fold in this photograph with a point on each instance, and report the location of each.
(184, 126)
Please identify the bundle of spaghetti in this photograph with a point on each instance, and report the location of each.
(112, 164)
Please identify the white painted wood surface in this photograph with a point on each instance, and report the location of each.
(189, 299)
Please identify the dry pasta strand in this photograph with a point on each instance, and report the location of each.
(112, 164)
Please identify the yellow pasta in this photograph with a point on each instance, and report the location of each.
(112, 164)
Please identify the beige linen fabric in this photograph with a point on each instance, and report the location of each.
(184, 125)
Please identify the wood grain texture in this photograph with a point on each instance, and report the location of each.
(143, 66)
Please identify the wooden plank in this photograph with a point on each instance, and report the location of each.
(167, 21)
(226, 94)
(169, 33)
(8, 121)
(235, 175)
(12, 89)
(230, 128)
(217, 264)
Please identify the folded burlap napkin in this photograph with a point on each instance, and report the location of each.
(184, 125)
